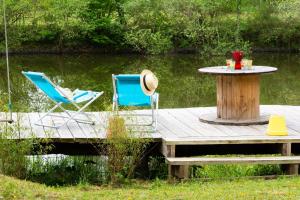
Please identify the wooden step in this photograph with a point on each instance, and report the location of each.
(233, 160)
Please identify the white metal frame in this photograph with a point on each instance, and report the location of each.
(154, 108)
(70, 113)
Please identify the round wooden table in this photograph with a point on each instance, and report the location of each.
(238, 93)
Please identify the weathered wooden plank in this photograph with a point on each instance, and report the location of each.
(137, 124)
(149, 131)
(85, 131)
(203, 129)
(3, 117)
(164, 131)
(57, 132)
(165, 128)
(197, 112)
(291, 169)
(22, 125)
(101, 119)
(229, 131)
(50, 132)
(292, 115)
(176, 125)
(38, 131)
(143, 131)
(233, 140)
(63, 131)
(286, 149)
(21, 122)
(28, 122)
(234, 160)
(167, 150)
(13, 130)
(188, 121)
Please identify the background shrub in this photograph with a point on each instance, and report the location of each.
(156, 26)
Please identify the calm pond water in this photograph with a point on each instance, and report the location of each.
(180, 85)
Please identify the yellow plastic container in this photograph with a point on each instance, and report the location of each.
(277, 126)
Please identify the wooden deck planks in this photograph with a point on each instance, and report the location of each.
(169, 130)
(175, 126)
(148, 132)
(101, 119)
(38, 131)
(229, 131)
(63, 131)
(202, 129)
(24, 127)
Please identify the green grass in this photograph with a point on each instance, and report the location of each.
(282, 188)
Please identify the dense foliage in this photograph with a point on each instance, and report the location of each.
(153, 26)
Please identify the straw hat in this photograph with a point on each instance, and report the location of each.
(148, 82)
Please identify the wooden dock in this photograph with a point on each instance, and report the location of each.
(175, 126)
(179, 132)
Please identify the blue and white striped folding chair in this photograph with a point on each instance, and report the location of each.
(59, 97)
(128, 92)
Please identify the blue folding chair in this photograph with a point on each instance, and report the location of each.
(128, 92)
(59, 97)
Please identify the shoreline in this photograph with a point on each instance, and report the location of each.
(112, 51)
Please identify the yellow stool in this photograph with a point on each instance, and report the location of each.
(277, 126)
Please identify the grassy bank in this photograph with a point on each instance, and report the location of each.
(285, 188)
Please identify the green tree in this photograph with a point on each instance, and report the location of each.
(103, 22)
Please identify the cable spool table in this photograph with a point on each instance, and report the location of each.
(238, 93)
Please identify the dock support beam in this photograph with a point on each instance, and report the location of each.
(179, 171)
(290, 169)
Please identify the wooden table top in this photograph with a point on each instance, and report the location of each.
(219, 70)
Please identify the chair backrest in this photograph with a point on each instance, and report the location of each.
(42, 82)
(129, 90)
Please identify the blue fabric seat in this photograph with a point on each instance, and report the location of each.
(130, 92)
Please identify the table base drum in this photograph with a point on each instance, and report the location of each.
(237, 101)
(238, 97)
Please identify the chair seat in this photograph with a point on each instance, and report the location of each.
(132, 103)
(136, 100)
(83, 95)
(124, 100)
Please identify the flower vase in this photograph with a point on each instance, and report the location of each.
(237, 56)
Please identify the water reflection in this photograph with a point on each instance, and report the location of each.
(180, 84)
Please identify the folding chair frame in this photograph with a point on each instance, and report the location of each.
(69, 116)
(154, 108)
